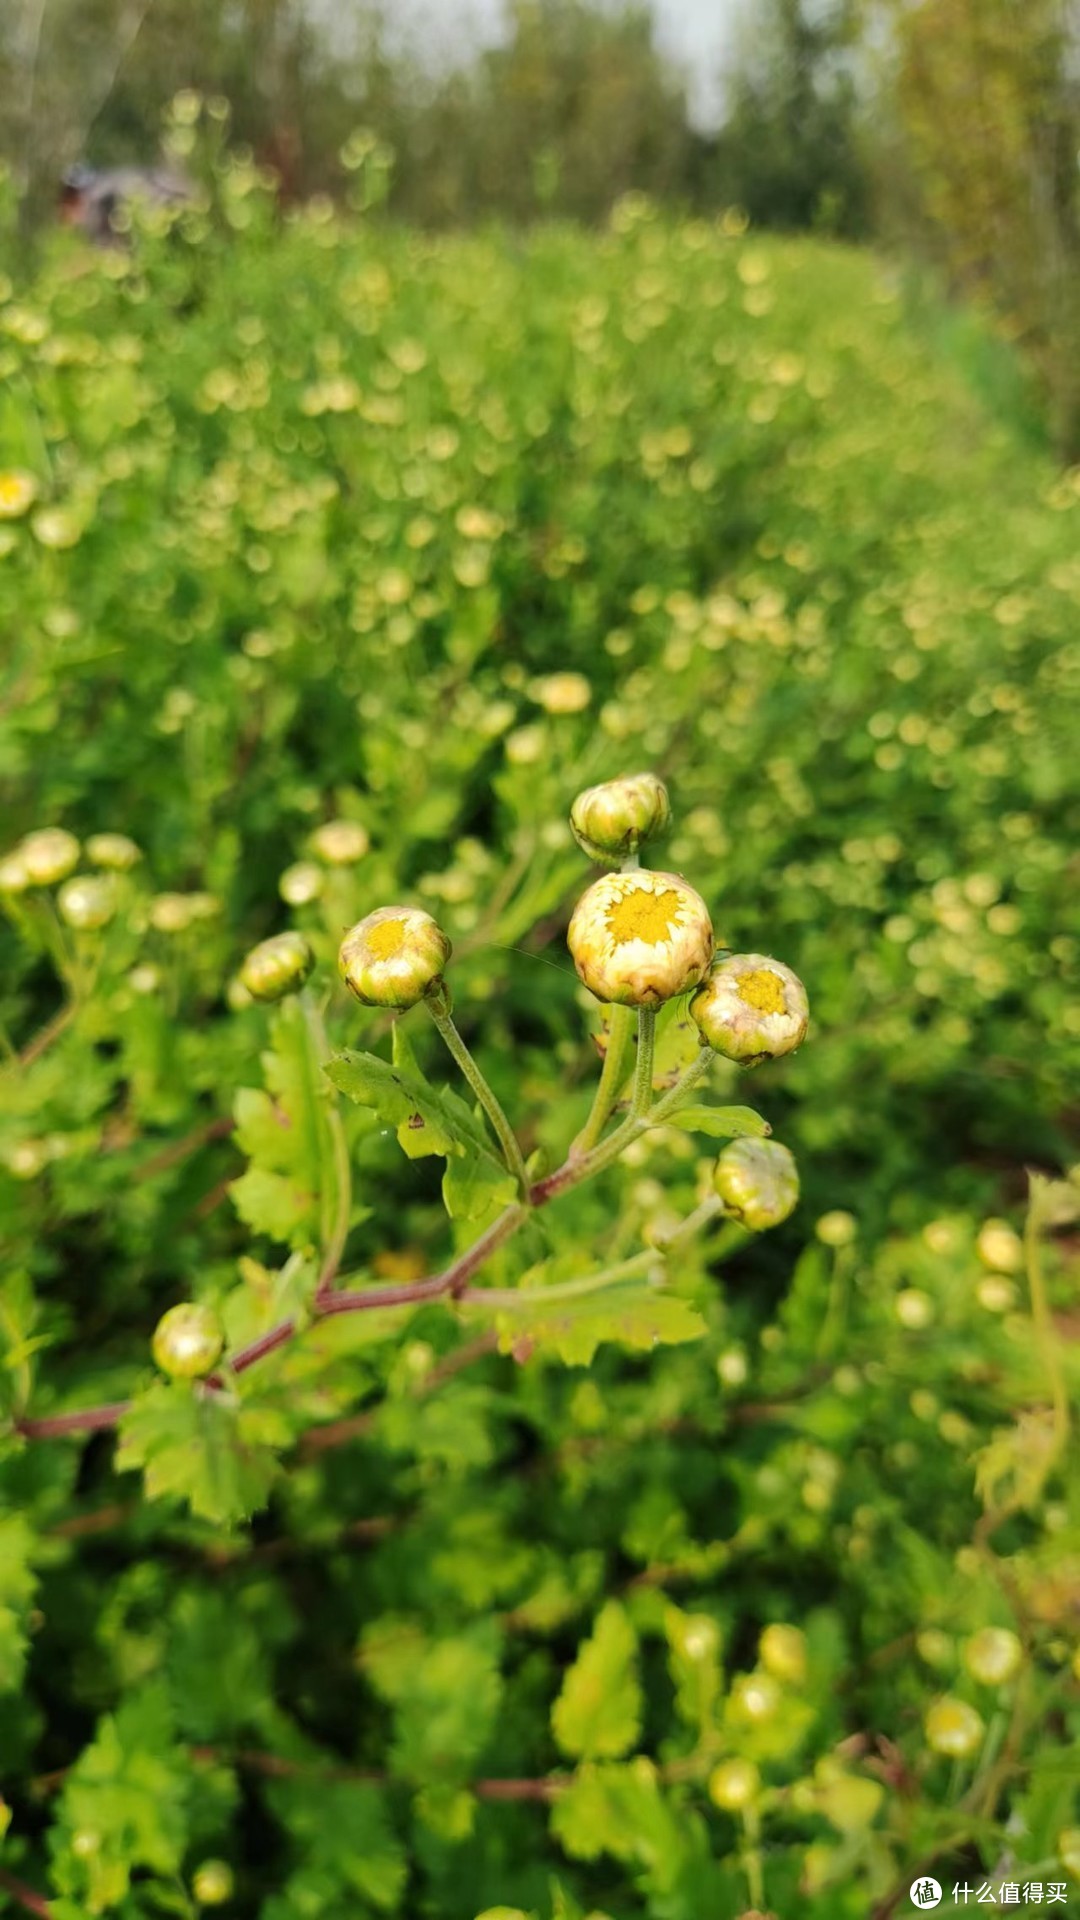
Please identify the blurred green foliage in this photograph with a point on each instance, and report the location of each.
(321, 520)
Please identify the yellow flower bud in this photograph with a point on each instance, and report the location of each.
(277, 966)
(49, 855)
(734, 1784)
(212, 1883)
(18, 491)
(1000, 1247)
(341, 843)
(640, 938)
(751, 1009)
(14, 877)
(394, 957)
(616, 819)
(992, 1655)
(86, 903)
(171, 912)
(301, 884)
(782, 1651)
(114, 851)
(1068, 1846)
(188, 1341)
(953, 1728)
(758, 1182)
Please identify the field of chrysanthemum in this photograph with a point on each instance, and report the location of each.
(334, 561)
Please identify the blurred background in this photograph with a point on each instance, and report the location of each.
(946, 126)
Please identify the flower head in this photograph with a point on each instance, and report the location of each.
(758, 1182)
(640, 938)
(616, 819)
(992, 1655)
(49, 855)
(734, 1784)
(114, 851)
(751, 1009)
(277, 966)
(394, 957)
(341, 843)
(953, 1728)
(86, 903)
(18, 491)
(299, 885)
(188, 1341)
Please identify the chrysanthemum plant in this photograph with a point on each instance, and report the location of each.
(642, 940)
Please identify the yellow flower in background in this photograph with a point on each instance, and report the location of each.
(18, 491)
(640, 938)
(562, 692)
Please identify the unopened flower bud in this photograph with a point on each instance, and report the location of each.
(758, 1182)
(18, 491)
(953, 1728)
(188, 1341)
(640, 938)
(277, 966)
(1000, 1247)
(751, 1009)
(341, 843)
(171, 912)
(301, 884)
(49, 855)
(782, 1651)
(86, 903)
(14, 877)
(614, 820)
(212, 1883)
(992, 1655)
(394, 957)
(734, 1784)
(113, 851)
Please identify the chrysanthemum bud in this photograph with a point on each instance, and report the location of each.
(734, 1784)
(113, 851)
(751, 1009)
(783, 1653)
(758, 1182)
(614, 820)
(277, 966)
(640, 938)
(171, 912)
(299, 885)
(14, 877)
(394, 957)
(18, 491)
(188, 1341)
(992, 1655)
(49, 855)
(213, 1883)
(953, 1728)
(86, 903)
(1000, 1247)
(341, 843)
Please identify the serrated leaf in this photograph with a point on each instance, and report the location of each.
(401, 1098)
(632, 1313)
(722, 1123)
(597, 1715)
(618, 1810)
(206, 1449)
(477, 1186)
(17, 1585)
(344, 1833)
(273, 1204)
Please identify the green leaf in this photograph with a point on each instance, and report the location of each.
(17, 1585)
(401, 1098)
(597, 1715)
(633, 1313)
(722, 1123)
(129, 1789)
(343, 1832)
(618, 1810)
(445, 1692)
(477, 1186)
(203, 1448)
(274, 1204)
(284, 1133)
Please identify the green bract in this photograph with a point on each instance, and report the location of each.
(758, 1182)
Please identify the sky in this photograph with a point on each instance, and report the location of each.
(697, 34)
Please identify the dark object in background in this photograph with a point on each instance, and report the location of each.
(91, 197)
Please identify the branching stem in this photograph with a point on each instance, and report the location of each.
(438, 1005)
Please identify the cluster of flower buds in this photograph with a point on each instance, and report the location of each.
(48, 857)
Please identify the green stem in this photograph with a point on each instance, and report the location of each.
(1046, 1339)
(586, 1165)
(439, 1008)
(611, 1080)
(709, 1209)
(335, 1196)
(646, 1055)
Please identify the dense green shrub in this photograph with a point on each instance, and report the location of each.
(331, 524)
